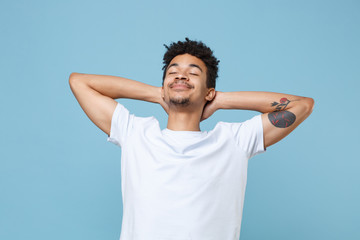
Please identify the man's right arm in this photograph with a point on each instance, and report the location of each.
(96, 94)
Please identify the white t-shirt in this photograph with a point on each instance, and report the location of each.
(183, 185)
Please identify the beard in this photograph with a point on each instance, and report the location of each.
(180, 101)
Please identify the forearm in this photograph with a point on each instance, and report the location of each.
(116, 87)
(259, 101)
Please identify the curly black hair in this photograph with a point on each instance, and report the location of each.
(197, 49)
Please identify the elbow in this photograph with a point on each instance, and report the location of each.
(72, 77)
(310, 102)
(75, 78)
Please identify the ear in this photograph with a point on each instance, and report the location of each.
(210, 94)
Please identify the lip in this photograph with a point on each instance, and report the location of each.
(180, 86)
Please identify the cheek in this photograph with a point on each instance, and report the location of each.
(204, 86)
(166, 81)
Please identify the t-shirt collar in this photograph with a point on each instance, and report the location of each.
(190, 134)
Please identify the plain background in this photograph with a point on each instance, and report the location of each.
(60, 178)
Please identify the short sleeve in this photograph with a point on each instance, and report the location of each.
(121, 125)
(249, 135)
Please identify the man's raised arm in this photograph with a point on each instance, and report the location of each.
(96, 94)
(282, 113)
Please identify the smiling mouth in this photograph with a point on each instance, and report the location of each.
(177, 85)
(180, 86)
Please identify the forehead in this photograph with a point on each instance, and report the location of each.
(186, 60)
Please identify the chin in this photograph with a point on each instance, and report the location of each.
(180, 101)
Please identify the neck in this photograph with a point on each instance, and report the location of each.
(184, 120)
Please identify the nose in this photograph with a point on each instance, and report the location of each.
(181, 76)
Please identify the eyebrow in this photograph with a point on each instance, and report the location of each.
(190, 65)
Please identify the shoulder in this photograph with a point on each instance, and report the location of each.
(224, 127)
(145, 121)
(253, 124)
(128, 120)
(248, 134)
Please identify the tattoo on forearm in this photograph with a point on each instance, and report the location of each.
(282, 105)
(281, 118)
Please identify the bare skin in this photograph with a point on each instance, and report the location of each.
(187, 100)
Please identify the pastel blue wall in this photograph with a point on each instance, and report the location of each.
(60, 178)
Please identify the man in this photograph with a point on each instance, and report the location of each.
(180, 182)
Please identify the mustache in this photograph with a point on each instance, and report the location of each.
(181, 82)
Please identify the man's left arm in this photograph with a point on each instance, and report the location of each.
(282, 113)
